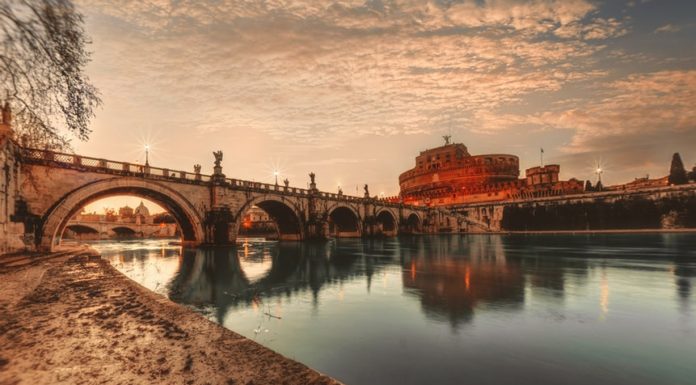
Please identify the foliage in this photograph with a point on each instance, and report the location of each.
(677, 172)
(163, 218)
(42, 62)
(622, 214)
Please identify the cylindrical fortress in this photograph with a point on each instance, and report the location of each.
(450, 169)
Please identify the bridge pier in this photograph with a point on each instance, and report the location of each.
(220, 227)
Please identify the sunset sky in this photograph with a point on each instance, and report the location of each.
(353, 90)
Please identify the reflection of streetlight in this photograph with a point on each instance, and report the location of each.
(147, 154)
(275, 174)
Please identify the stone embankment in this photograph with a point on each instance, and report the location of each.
(72, 318)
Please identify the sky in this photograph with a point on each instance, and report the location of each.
(354, 90)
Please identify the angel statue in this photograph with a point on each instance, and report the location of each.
(311, 177)
(197, 168)
(367, 191)
(218, 157)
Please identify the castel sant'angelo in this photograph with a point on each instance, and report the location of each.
(450, 175)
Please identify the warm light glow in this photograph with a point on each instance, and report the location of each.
(467, 278)
(604, 295)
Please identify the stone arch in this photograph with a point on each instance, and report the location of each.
(124, 232)
(388, 221)
(82, 228)
(80, 231)
(413, 223)
(344, 221)
(285, 214)
(183, 211)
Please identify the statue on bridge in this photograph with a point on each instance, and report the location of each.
(197, 168)
(367, 191)
(218, 176)
(218, 157)
(312, 184)
(286, 182)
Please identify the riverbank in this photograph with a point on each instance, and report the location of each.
(73, 318)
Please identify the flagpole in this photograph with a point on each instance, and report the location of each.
(541, 154)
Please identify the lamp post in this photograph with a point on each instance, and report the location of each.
(147, 155)
(275, 174)
(599, 172)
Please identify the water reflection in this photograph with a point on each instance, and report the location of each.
(550, 306)
(450, 276)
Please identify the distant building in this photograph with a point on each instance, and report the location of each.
(257, 222)
(449, 175)
(641, 183)
(142, 215)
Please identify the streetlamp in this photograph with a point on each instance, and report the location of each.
(599, 172)
(275, 174)
(147, 155)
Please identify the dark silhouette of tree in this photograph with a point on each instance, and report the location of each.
(692, 174)
(163, 218)
(588, 186)
(677, 172)
(42, 61)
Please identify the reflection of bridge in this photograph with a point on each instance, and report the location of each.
(449, 276)
(105, 229)
(49, 188)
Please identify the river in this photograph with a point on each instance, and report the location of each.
(450, 309)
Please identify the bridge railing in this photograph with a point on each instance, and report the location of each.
(98, 164)
(116, 167)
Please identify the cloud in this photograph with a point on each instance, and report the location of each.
(314, 71)
(318, 74)
(667, 28)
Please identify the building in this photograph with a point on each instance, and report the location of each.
(257, 222)
(449, 175)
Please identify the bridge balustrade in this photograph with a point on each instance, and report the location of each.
(85, 162)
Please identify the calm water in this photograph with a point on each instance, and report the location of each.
(600, 309)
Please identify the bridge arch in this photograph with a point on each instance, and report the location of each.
(388, 221)
(413, 223)
(183, 211)
(285, 214)
(344, 221)
(81, 231)
(125, 232)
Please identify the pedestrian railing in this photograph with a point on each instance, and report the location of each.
(146, 171)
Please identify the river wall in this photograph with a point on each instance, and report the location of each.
(660, 208)
(632, 213)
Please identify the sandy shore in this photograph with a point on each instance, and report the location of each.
(74, 319)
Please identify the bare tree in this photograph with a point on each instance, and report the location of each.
(42, 61)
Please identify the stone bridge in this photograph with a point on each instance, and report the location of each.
(105, 229)
(49, 188)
